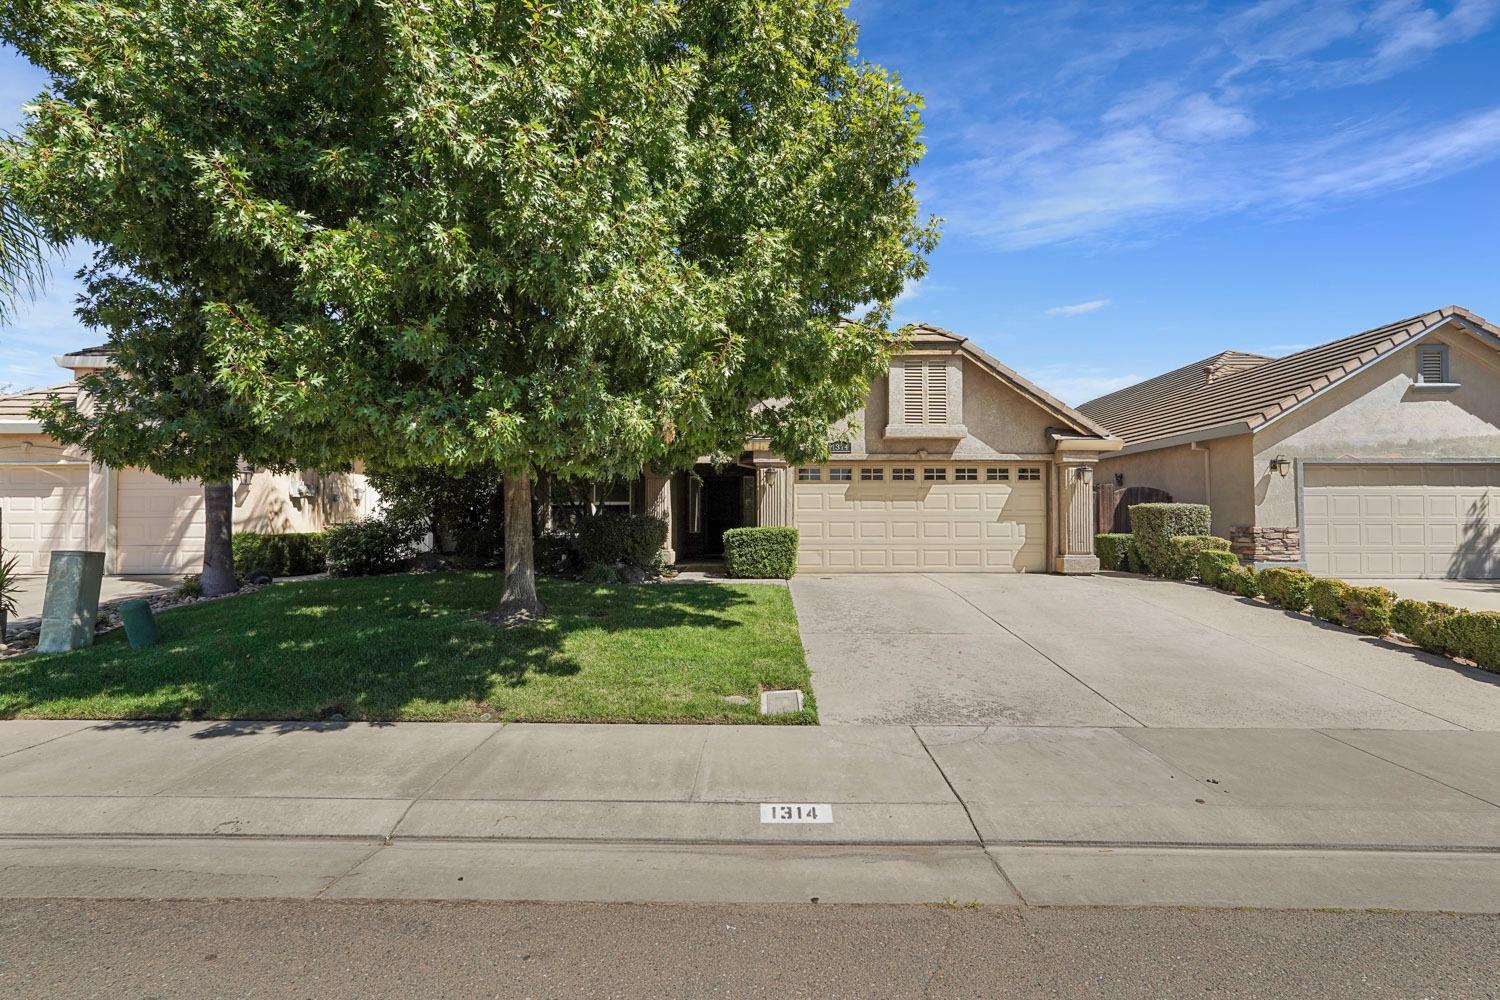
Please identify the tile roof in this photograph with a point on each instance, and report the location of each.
(17, 406)
(1234, 388)
(104, 349)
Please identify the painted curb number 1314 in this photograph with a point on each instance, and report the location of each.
(800, 812)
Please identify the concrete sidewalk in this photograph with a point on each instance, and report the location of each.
(993, 814)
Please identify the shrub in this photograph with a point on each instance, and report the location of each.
(1327, 600)
(290, 554)
(632, 539)
(1287, 588)
(1185, 551)
(465, 513)
(1110, 548)
(1474, 635)
(369, 547)
(600, 574)
(761, 553)
(1154, 525)
(1422, 623)
(553, 554)
(1368, 609)
(1133, 561)
(191, 586)
(1212, 563)
(1243, 580)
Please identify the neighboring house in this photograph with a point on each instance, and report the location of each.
(1377, 455)
(958, 465)
(53, 497)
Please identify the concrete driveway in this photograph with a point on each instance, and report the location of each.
(34, 590)
(1110, 650)
(1476, 595)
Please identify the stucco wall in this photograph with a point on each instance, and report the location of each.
(1378, 414)
(1216, 472)
(267, 504)
(1002, 424)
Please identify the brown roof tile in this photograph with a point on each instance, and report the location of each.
(1256, 389)
(17, 406)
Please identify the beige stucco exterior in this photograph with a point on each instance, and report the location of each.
(1380, 414)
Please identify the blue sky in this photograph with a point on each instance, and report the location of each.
(1130, 186)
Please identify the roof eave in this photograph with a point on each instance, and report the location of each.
(1189, 437)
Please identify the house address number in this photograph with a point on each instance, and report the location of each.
(795, 812)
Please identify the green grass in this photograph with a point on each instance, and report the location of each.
(412, 647)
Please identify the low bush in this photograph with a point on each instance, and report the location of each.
(1286, 588)
(1185, 552)
(298, 553)
(1110, 548)
(1243, 580)
(553, 555)
(191, 586)
(1474, 635)
(1327, 600)
(1422, 622)
(761, 553)
(1368, 609)
(1212, 563)
(632, 539)
(1133, 561)
(1154, 525)
(601, 574)
(368, 548)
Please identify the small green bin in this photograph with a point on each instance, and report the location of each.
(140, 624)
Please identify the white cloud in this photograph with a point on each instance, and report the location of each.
(1074, 385)
(1079, 308)
(1200, 118)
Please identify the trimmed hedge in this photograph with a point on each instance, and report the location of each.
(291, 554)
(1287, 588)
(632, 539)
(1111, 548)
(1212, 563)
(1133, 561)
(1422, 622)
(368, 548)
(1185, 552)
(1474, 635)
(1327, 600)
(761, 553)
(1368, 609)
(1154, 525)
(1242, 580)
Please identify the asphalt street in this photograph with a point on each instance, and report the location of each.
(130, 949)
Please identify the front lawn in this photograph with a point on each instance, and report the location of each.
(412, 647)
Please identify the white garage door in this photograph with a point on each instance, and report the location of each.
(159, 524)
(947, 517)
(1403, 521)
(45, 508)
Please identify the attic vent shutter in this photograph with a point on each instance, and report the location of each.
(937, 392)
(914, 390)
(1432, 364)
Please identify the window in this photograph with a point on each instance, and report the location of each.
(809, 474)
(1432, 364)
(840, 474)
(932, 474)
(871, 474)
(573, 499)
(903, 474)
(995, 474)
(1029, 474)
(966, 475)
(924, 386)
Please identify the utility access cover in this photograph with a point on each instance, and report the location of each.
(796, 812)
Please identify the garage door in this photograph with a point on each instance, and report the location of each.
(159, 526)
(45, 508)
(867, 517)
(1403, 521)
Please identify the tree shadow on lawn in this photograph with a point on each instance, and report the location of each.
(367, 648)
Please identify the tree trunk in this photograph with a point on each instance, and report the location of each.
(218, 550)
(518, 600)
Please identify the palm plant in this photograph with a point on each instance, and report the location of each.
(23, 257)
(10, 589)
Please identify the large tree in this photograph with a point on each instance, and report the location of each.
(574, 238)
(158, 406)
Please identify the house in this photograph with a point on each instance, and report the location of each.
(956, 464)
(1376, 455)
(53, 497)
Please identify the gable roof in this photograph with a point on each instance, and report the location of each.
(1233, 392)
(927, 335)
(17, 406)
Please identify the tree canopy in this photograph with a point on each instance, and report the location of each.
(578, 237)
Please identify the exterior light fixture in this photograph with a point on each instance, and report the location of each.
(1281, 465)
(1080, 472)
(246, 473)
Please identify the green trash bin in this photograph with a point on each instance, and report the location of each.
(140, 624)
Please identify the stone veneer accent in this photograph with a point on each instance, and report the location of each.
(1266, 544)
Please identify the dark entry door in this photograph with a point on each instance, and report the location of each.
(722, 510)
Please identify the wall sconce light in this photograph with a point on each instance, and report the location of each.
(1080, 472)
(1281, 465)
(1119, 479)
(246, 473)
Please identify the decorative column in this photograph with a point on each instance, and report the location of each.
(774, 496)
(1075, 512)
(658, 503)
